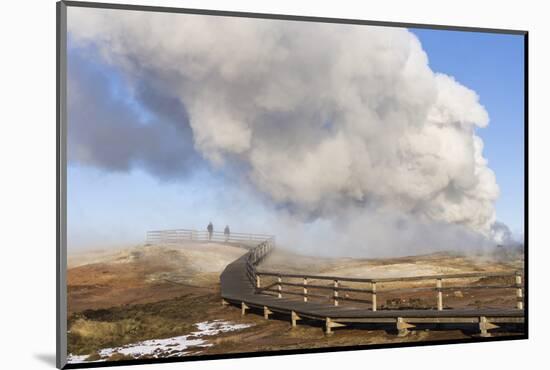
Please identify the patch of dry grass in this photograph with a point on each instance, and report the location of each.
(92, 330)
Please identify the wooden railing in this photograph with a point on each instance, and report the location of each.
(263, 243)
(374, 286)
(255, 256)
(178, 236)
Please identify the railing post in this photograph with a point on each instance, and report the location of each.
(305, 289)
(279, 287)
(336, 292)
(258, 283)
(519, 292)
(439, 295)
(373, 285)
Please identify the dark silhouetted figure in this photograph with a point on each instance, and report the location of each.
(226, 232)
(210, 229)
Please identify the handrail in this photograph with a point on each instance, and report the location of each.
(372, 289)
(253, 258)
(396, 279)
(175, 236)
(206, 232)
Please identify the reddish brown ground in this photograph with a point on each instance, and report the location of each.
(106, 285)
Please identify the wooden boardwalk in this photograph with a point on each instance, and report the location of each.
(238, 287)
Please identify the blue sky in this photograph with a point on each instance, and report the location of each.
(107, 207)
(492, 65)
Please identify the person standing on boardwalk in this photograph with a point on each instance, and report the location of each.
(210, 229)
(226, 232)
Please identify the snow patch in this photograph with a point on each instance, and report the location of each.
(168, 347)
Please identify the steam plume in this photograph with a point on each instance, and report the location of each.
(325, 120)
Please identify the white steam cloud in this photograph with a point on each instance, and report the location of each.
(327, 121)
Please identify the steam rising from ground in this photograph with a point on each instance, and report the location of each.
(341, 129)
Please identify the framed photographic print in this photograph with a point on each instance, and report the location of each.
(238, 184)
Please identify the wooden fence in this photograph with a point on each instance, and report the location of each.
(179, 236)
(255, 256)
(263, 243)
(375, 287)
